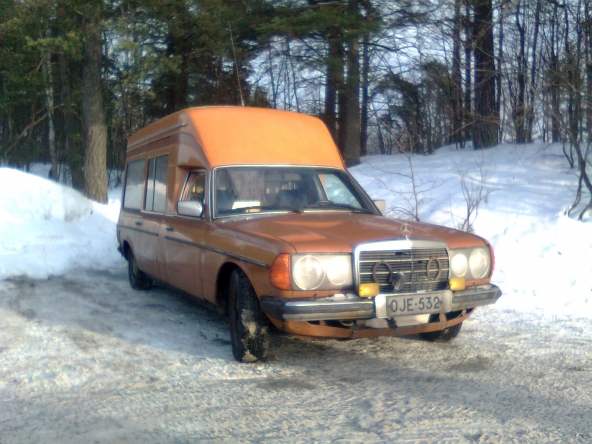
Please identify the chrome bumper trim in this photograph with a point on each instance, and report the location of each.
(475, 297)
(340, 306)
(351, 306)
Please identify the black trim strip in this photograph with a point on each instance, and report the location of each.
(139, 230)
(214, 250)
(476, 295)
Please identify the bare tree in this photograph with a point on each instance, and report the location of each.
(475, 191)
(410, 194)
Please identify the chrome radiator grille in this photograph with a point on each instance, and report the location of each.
(404, 271)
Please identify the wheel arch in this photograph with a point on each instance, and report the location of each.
(125, 249)
(223, 283)
(257, 276)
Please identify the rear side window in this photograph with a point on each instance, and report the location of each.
(134, 179)
(156, 184)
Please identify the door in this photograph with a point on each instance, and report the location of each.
(148, 227)
(183, 238)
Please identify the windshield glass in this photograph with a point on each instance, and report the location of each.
(240, 190)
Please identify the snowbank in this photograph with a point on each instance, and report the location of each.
(49, 229)
(543, 257)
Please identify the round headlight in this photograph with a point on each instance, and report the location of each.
(339, 270)
(459, 265)
(479, 263)
(308, 273)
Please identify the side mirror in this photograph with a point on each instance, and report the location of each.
(191, 208)
(380, 204)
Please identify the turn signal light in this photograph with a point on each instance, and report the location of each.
(368, 290)
(279, 274)
(457, 284)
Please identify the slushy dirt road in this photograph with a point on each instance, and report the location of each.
(83, 358)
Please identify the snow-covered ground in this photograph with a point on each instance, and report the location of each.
(83, 358)
(86, 359)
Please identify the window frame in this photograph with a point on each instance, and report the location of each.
(186, 184)
(184, 188)
(151, 188)
(348, 180)
(141, 183)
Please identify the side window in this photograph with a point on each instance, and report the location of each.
(156, 184)
(134, 179)
(194, 187)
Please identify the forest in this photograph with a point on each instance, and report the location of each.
(77, 78)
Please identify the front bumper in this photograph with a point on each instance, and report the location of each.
(351, 306)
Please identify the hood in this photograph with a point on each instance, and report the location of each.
(340, 231)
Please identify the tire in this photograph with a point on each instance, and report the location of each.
(249, 328)
(137, 278)
(448, 334)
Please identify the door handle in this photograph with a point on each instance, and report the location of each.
(170, 229)
(138, 223)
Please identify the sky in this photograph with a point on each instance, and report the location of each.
(543, 258)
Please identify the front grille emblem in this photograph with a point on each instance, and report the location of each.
(406, 230)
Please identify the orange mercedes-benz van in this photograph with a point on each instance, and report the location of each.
(254, 211)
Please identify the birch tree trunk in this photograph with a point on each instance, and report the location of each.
(365, 98)
(457, 118)
(351, 152)
(54, 172)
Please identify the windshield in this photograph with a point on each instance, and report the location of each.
(240, 190)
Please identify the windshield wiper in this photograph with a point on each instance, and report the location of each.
(329, 204)
(292, 209)
(258, 209)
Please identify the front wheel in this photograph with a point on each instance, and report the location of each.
(137, 278)
(248, 325)
(448, 334)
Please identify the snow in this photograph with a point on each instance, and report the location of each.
(48, 229)
(543, 257)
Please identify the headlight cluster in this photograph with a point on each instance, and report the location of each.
(470, 263)
(321, 271)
